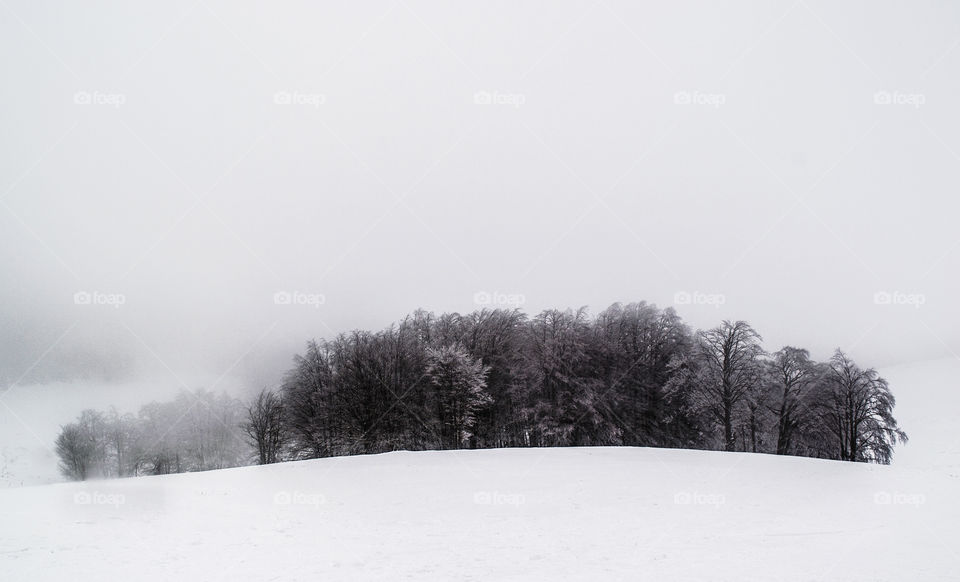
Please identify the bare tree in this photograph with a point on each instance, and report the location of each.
(119, 434)
(264, 426)
(565, 399)
(730, 355)
(632, 350)
(792, 374)
(308, 394)
(75, 452)
(859, 412)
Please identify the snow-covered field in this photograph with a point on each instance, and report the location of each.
(569, 514)
(530, 514)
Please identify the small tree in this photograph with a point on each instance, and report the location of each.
(460, 391)
(75, 451)
(264, 426)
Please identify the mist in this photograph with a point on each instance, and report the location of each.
(499, 290)
(192, 191)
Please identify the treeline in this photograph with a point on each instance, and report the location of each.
(196, 431)
(634, 375)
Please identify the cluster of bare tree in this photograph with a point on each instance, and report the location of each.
(633, 375)
(196, 431)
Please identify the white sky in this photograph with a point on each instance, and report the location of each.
(198, 197)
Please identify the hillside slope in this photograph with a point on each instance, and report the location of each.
(521, 514)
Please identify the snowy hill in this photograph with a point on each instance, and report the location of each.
(543, 514)
(520, 514)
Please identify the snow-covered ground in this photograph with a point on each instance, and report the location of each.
(568, 514)
(521, 514)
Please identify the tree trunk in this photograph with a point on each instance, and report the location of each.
(729, 439)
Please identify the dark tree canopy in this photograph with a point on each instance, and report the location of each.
(633, 375)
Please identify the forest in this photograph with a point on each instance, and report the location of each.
(633, 375)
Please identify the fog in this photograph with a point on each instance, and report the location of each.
(179, 165)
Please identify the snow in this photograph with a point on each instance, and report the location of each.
(518, 514)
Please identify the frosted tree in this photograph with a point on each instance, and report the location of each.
(83, 447)
(567, 401)
(159, 443)
(371, 387)
(632, 351)
(210, 432)
(858, 410)
(460, 391)
(792, 375)
(94, 426)
(308, 394)
(495, 336)
(731, 367)
(120, 435)
(75, 452)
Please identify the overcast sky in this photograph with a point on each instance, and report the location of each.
(182, 162)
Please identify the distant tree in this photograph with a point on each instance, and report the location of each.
(94, 425)
(83, 447)
(120, 434)
(75, 451)
(264, 426)
(858, 409)
(160, 441)
(210, 430)
(634, 375)
(730, 357)
(196, 431)
(459, 382)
